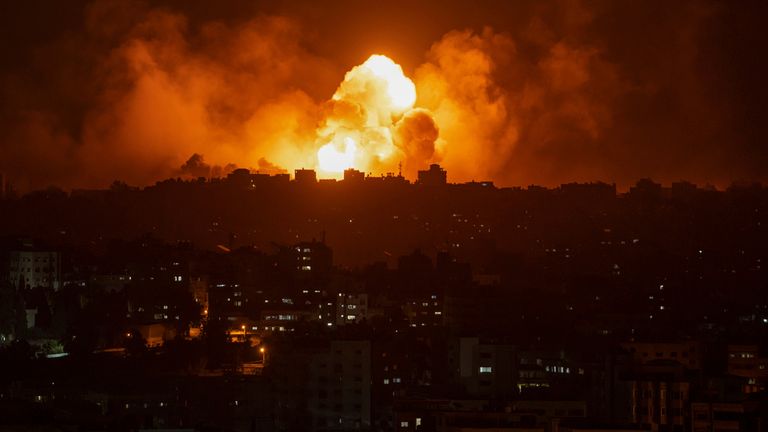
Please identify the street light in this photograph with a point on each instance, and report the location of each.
(245, 336)
(263, 356)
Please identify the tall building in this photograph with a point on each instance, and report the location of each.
(339, 393)
(662, 403)
(485, 369)
(34, 269)
(305, 176)
(434, 176)
(312, 258)
(351, 308)
(353, 175)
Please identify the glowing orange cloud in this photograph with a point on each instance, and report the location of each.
(359, 129)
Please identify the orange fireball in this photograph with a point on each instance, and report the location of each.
(362, 116)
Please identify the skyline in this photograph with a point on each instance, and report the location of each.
(563, 92)
(398, 216)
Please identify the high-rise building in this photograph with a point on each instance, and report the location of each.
(434, 176)
(353, 175)
(34, 269)
(305, 176)
(340, 387)
(351, 308)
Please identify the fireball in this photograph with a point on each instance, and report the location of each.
(401, 90)
(331, 159)
(359, 127)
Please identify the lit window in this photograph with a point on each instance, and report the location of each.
(486, 369)
(403, 424)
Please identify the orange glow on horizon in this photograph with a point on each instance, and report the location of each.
(362, 118)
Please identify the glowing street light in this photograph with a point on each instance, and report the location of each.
(263, 352)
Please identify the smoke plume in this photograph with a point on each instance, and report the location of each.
(515, 92)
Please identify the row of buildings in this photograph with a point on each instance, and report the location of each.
(428, 345)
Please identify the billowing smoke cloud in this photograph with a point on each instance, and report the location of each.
(196, 167)
(477, 124)
(162, 90)
(497, 108)
(516, 92)
(415, 135)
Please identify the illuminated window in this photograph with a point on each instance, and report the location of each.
(403, 424)
(486, 369)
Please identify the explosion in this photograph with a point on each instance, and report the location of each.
(368, 123)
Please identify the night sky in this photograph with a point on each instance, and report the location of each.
(529, 92)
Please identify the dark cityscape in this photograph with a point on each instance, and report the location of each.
(248, 216)
(572, 308)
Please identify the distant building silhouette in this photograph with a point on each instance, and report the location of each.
(435, 176)
(353, 175)
(305, 176)
(240, 177)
